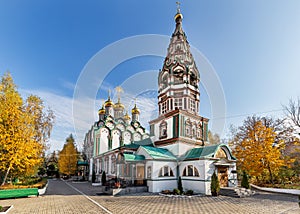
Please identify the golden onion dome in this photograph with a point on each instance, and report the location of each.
(101, 111)
(126, 116)
(177, 15)
(119, 105)
(108, 102)
(135, 110)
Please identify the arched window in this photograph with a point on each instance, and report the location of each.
(190, 170)
(188, 127)
(165, 80)
(166, 171)
(163, 130)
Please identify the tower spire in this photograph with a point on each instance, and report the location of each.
(179, 69)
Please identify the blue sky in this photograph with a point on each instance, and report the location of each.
(253, 45)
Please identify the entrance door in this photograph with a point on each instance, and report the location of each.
(140, 174)
(223, 176)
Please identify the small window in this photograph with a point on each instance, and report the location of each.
(192, 105)
(178, 103)
(164, 107)
(166, 171)
(163, 130)
(190, 170)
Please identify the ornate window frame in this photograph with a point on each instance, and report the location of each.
(163, 130)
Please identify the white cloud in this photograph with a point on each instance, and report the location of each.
(64, 118)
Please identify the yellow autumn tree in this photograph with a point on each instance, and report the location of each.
(257, 151)
(20, 148)
(68, 156)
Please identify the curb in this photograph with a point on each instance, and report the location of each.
(276, 190)
(11, 206)
(42, 191)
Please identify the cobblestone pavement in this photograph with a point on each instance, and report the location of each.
(62, 198)
(59, 198)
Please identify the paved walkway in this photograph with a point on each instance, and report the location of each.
(69, 197)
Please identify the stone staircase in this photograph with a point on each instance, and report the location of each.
(236, 192)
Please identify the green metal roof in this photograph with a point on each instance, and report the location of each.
(159, 153)
(144, 142)
(137, 144)
(205, 152)
(132, 157)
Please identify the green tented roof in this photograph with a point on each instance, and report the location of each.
(204, 152)
(132, 157)
(159, 153)
(82, 163)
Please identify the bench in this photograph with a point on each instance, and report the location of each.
(18, 193)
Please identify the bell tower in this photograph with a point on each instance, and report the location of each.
(179, 127)
(179, 77)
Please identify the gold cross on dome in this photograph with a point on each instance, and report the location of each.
(178, 6)
(119, 90)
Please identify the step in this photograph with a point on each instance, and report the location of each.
(236, 192)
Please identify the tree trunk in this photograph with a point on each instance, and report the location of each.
(5, 177)
(271, 175)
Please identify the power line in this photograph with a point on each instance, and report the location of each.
(247, 114)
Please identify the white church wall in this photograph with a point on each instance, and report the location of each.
(103, 140)
(115, 139)
(169, 129)
(156, 183)
(195, 183)
(232, 177)
(159, 185)
(209, 170)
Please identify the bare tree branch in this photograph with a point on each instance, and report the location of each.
(292, 111)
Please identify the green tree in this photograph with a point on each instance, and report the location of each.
(21, 152)
(68, 156)
(214, 185)
(103, 178)
(180, 187)
(245, 181)
(52, 164)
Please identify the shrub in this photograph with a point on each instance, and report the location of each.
(214, 185)
(245, 181)
(1, 208)
(166, 192)
(180, 188)
(176, 191)
(189, 192)
(103, 178)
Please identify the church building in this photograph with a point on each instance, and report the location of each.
(177, 145)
